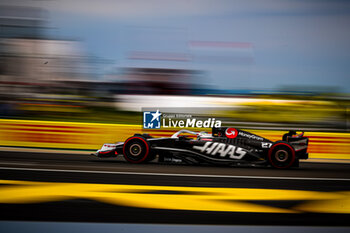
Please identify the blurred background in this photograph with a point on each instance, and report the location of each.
(273, 64)
(75, 74)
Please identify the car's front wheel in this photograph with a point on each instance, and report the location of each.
(281, 155)
(136, 150)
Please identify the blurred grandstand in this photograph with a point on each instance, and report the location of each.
(51, 79)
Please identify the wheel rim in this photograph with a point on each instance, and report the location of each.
(281, 156)
(135, 150)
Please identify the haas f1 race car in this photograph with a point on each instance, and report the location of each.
(224, 146)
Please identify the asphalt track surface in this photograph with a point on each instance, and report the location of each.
(82, 188)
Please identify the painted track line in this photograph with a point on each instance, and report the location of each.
(177, 174)
(16, 163)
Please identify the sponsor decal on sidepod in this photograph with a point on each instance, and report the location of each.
(221, 149)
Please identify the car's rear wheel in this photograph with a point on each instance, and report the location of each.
(136, 150)
(281, 155)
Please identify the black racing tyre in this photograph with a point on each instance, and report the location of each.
(136, 149)
(281, 155)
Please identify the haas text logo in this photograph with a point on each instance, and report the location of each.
(222, 150)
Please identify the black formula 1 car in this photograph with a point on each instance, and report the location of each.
(224, 146)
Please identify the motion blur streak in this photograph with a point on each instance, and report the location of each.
(90, 136)
(179, 198)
